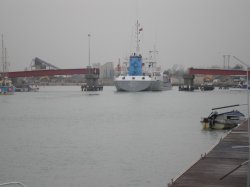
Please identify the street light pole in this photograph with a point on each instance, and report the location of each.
(248, 125)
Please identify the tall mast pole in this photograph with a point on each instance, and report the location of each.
(89, 48)
(137, 38)
(137, 30)
(5, 60)
(2, 54)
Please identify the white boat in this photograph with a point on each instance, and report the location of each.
(27, 88)
(224, 120)
(240, 87)
(142, 76)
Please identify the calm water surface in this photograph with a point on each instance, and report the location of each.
(58, 137)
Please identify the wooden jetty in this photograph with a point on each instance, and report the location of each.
(224, 166)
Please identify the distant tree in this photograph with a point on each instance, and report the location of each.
(215, 67)
(177, 70)
(167, 72)
(238, 66)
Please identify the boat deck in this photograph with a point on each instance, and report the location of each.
(213, 169)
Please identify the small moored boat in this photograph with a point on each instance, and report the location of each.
(224, 120)
(6, 87)
(27, 88)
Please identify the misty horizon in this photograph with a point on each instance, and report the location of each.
(188, 33)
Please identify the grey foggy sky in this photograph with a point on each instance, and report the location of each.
(188, 32)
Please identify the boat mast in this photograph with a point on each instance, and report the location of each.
(155, 53)
(137, 38)
(89, 48)
(5, 60)
(2, 54)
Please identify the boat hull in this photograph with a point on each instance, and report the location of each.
(132, 86)
(222, 123)
(141, 83)
(27, 88)
(218, 126)
(227, 120)
(159, 85)
(91, 92)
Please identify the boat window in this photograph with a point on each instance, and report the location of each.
(143, 78)
(133, 77)
(123, 77)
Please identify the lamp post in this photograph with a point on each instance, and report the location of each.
(248, 125)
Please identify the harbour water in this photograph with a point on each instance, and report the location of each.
(61, 137)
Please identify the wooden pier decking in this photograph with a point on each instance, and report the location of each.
(226, 156)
